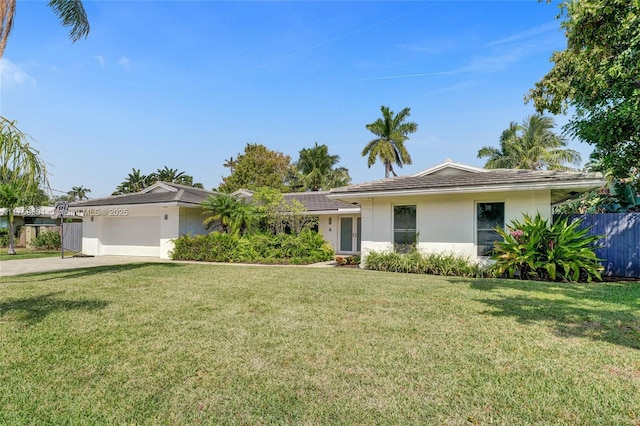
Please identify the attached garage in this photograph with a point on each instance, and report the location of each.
(141, 224)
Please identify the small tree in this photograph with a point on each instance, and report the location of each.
(278, 215)
(22, 172)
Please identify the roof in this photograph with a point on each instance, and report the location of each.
(158, 193)
(313, 202)
(452, 178)
(317, 201)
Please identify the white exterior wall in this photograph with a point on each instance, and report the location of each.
(445, 223)
(142, 231)
(331, 231)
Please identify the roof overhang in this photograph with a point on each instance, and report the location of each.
(560, 188)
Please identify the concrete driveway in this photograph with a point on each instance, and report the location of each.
(51, 264)
(48, 264)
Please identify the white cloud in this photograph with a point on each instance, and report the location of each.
(532, 32)
(12, 75)
(124, 61)
(100, 60)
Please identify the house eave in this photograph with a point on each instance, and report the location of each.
(583, 185)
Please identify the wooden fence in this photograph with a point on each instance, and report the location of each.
(621, 242)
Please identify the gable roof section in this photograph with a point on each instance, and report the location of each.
(158, 193)
(564, 183)
(450, 167)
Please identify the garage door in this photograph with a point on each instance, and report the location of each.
(131, 236)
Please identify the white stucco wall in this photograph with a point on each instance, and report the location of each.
(146, 230)
(445, 223)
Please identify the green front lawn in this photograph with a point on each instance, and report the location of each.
(23, 253)
(216, 344)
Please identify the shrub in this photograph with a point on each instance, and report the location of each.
(48, 240)
(448, 264)
(303, 248)
(532, 249)
(4, 237)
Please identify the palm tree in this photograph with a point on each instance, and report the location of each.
(167, 175)
(78, 193)
(218, 209)
(531, 145)
(22, 172)
(70, 12)
(388, 146)
(135, 182)
(316, 167)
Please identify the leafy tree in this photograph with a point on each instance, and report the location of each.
(278, 215)
(258, 167)
(531, 145)
(391, 133)
(316, 168)
(70, 12)
(22, 172)
(598, 75)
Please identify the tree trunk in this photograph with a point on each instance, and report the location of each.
(12, 231)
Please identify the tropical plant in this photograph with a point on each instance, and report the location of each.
(391, 133)
(134, 182)
(616, 196)
(70, 12)
(533, 249)
(531, 145)
(230, 214)
(22, 172)
(78, 193)
(316, 167)
(414, 262)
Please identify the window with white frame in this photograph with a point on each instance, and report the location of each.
(488, 216)
(404, 227)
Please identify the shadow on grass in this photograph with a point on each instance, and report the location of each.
(89, 271)
(599, 311)
(36, 308)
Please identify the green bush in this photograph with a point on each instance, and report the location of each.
(414, 262)
(304, 248)
(534, 250)
(4, 237)
(48, 240)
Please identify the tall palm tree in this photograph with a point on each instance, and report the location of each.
(70, 12)
(392, 132)
(22, 172)
(531, 145)
(316, 167)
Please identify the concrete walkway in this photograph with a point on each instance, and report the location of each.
(51, 264)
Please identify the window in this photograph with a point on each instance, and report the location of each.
(404, 227)
(488, 216)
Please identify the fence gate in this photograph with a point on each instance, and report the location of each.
(72, 236)
(621, 242)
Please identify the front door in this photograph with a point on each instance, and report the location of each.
(350, 234)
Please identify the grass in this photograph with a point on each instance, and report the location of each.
(188, 344)
(23, 253)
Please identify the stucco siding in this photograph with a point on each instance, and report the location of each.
(445, 223)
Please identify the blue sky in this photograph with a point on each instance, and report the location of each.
(188, 84)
